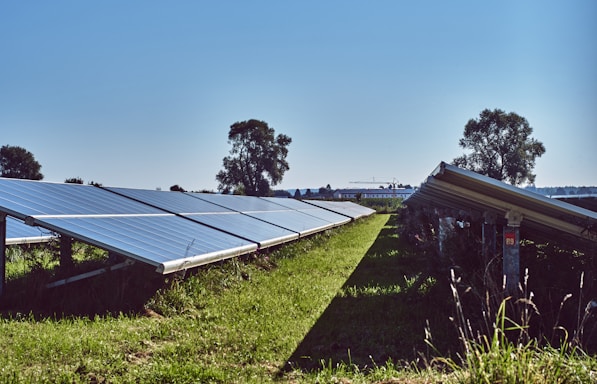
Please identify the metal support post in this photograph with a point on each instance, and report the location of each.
(488, 233)
(511, 251)
(66, 253)
(446, 228)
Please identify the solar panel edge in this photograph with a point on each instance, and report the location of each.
(28, 240)
(172, 266)
(279, 240)
(312, 231)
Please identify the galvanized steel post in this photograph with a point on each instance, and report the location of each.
(488, 233)
(511, 252)
(66, 253)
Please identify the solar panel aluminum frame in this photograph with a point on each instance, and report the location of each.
(29, 240)
(207, 258)
(17, 232)
(165, 267)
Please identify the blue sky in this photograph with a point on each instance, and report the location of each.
(142, 93)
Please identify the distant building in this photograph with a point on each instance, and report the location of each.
(371, 193)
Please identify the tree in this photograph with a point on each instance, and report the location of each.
(326, 191)
(257, 159)
(74, 180)
(502, 147)
(177, 188)
(282, 193)
(18, 163)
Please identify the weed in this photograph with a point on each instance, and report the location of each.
(506, 353)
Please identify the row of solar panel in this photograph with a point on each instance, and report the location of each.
(459, 189)
(169, 230)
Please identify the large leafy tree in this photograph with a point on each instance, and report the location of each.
(18, 163)
(257, 159)
(501, 147)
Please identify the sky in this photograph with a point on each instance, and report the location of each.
(142, 94)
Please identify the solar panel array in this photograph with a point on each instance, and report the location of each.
(347, 208)
(169, 230)
(451, 187)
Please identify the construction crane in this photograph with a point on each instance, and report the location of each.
(392, 183)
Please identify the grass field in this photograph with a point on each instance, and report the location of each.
(340, 307)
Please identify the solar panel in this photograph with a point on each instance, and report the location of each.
(269, 212)
(168, 242)
(347, 208)
(169, 230)
(18, 232)
(22, 198)
(119, 224)
(453, 187)
(216, 216)
(240, 203)
(309, 209)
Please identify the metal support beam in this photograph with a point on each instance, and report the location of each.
(2, 253)
(66, 253)
(511, 252)
(489, 237)
(124, 264)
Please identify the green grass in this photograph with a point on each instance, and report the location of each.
(345, 306)
(235, 321)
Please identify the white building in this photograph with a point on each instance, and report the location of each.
(374, 193)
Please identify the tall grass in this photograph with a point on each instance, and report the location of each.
(504, 352)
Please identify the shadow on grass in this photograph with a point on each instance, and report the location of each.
(380, 313)
(112, 293)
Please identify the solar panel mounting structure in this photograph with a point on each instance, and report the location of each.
(454, 188)
(171, 231)
(118, 224)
